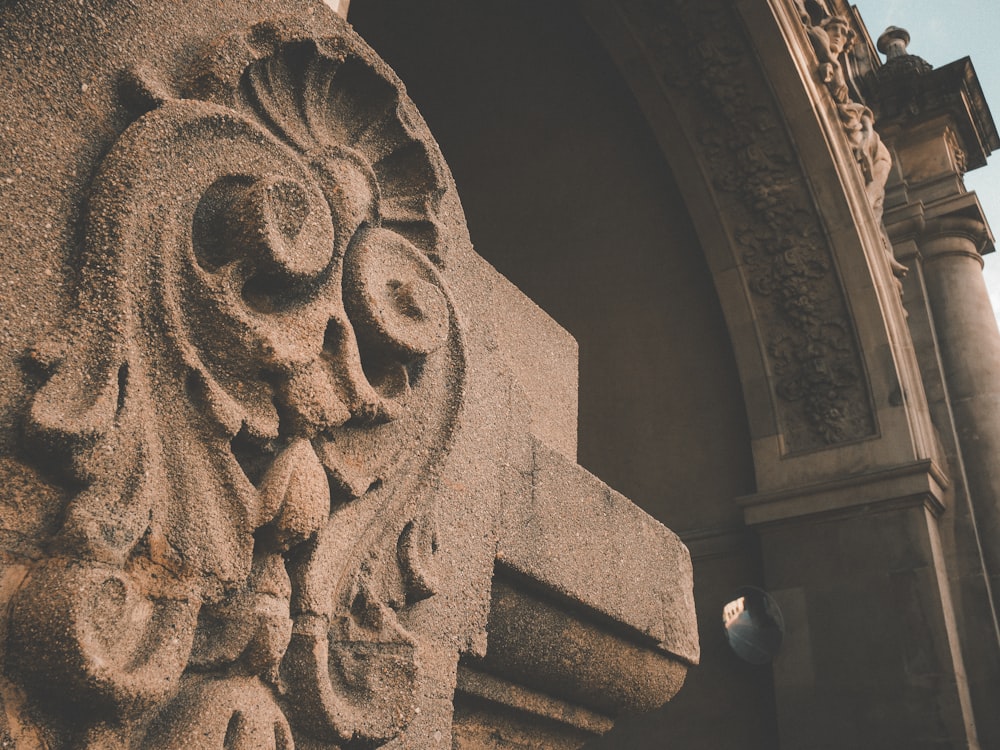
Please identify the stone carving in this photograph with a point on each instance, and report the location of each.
(957, 152)
(261, 366)
(831, 38)
(811, 349)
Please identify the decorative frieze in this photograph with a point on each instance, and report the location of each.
(701, 52)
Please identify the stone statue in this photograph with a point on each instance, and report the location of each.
(872, 155)
(831, 38)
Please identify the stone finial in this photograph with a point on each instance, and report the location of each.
(893, 42)
(900, 64)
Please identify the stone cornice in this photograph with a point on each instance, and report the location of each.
(919, 483)
(912, 96)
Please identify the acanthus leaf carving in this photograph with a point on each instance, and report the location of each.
(417, 546)
(262, 355)
(295, 495)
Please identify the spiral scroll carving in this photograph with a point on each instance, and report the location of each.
(262, 363)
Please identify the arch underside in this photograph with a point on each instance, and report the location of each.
(629, 166)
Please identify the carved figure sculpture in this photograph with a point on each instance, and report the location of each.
(872, 155)
(831, 37)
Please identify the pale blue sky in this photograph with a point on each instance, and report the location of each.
(941, 32)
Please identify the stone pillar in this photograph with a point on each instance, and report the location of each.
(969, 345)
(855, 560)
(870, 657)
(937, 126)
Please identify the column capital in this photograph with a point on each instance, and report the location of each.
(960, 217)
(955, 235)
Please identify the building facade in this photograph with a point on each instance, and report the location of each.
(764, 323)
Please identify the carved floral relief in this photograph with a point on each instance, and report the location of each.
(262, 364)
(701, 54)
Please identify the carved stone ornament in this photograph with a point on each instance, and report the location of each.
(832, 37)
(957, 152)
(261, 368)
(702, 53)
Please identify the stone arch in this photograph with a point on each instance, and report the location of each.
(569, 195)
(803, 309)
(817, 331)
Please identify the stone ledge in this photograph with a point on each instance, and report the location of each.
(545, 363)
(564, 651)
(493, 689)
(574, 524)
(920, 483)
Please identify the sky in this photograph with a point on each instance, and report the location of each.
(941, 32)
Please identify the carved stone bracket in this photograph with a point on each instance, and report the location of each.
(957, 152)
(700, 51)
(261, 370)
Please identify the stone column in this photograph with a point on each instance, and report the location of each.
(938, 126)
(969, 347)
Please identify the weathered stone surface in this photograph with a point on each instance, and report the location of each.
(812, 356)
(572, 524)
(261, 442)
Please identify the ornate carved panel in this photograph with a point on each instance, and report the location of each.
(704, 60)
(261, 371)
(259, 443)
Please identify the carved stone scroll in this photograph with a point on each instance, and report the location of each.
(262, 351)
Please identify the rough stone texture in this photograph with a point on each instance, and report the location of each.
(544, 364)
(261, 443)
(339, 447)
(635, 560)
